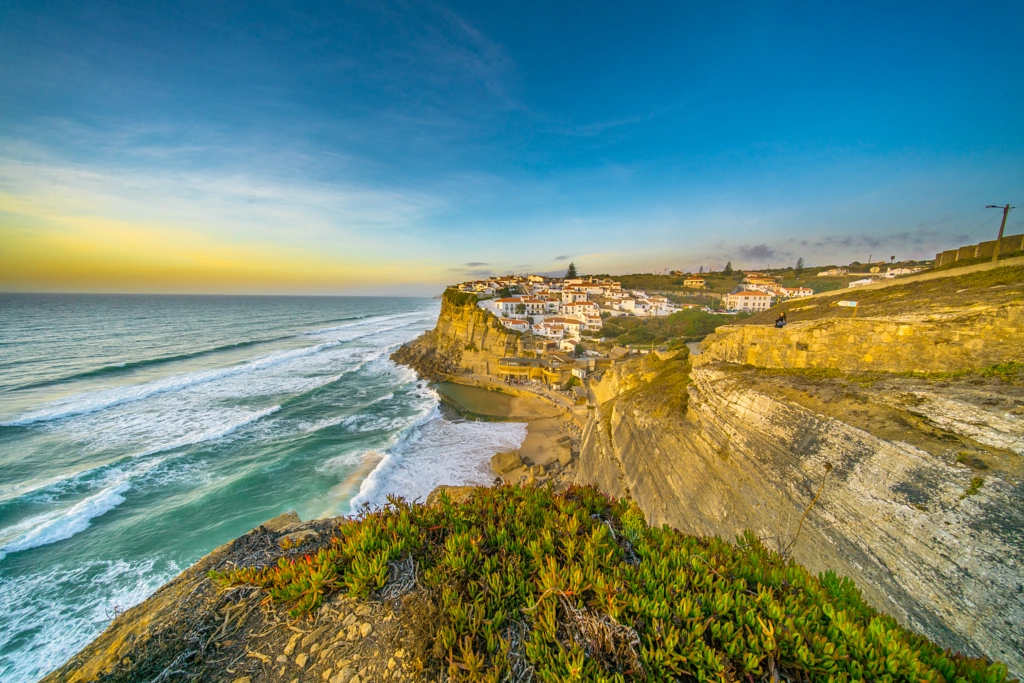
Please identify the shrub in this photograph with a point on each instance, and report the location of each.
(460, 299)
(973, 488)
(603, 597)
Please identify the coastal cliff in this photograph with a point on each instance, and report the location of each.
(466, 339)
(908, 481)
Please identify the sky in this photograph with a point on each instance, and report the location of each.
(391, 148)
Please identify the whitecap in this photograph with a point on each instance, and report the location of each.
(100, 400)
(48, 631)
(50, 527)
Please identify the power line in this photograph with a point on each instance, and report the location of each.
(961, 239)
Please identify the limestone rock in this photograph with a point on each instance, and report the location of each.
(457, 494)
(506, 462)
(314, 636)
(282, 521)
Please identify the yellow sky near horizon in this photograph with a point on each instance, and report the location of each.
(45, 251)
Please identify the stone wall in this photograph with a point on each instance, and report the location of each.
(1009, 244)
(852, 345)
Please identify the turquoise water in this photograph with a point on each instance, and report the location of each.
(137, 433)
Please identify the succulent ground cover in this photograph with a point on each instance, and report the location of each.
(575, 586)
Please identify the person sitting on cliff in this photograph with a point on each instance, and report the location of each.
(781, 320)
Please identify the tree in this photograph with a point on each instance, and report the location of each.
(505, 292)
(571, 272)
(728, 268)
(892, 259)
(579, 350)
(702, 270)
(800, 265)
(520, 308)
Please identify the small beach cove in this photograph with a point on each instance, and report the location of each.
(546, 423)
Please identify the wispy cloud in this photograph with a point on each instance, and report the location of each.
(562, 258)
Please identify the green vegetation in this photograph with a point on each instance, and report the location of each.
(973, 488)
(987, 287)
(718, 283)
(570, 272)
(460, 299)
(690, 324)
(580, 586)
(1008, 372)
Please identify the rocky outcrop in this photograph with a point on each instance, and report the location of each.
(984, 338)
(191, 630)
(920, 480)
(466, 338)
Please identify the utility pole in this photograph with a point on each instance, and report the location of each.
(1006, 211)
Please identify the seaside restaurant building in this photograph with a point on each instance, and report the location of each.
(554, 370)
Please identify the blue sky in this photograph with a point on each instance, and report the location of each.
(392, 147)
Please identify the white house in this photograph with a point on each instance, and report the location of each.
(571, 326)
(748, 300)
(515, 325)
(507, 306)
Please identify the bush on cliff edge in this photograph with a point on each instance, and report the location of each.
(575, 586)
(459, 299)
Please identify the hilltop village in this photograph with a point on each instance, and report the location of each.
(569, 324)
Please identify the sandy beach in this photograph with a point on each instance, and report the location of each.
(550, 441)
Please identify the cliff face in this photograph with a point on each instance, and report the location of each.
(922, 505)
(466, 338)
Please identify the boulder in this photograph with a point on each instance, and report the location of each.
(297, 538)
(506, 462)
(457, 494)
(564, 456)
(282, 521)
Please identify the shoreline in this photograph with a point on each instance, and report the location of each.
(551, 446)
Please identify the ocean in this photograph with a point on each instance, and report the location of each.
(137, 433)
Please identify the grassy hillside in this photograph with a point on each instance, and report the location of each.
(989, 287)
(688, 325)
(523, 583)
